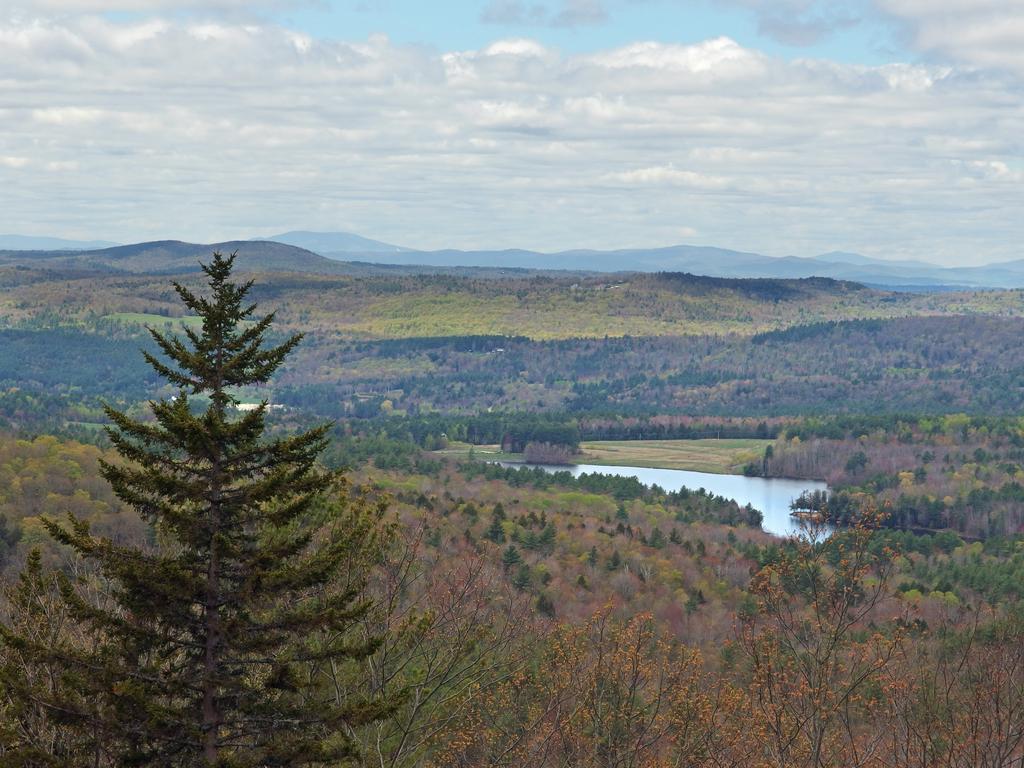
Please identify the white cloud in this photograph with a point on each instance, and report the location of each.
(721, 57)
(516, 47)
(801, 22)
(67, 115)
(669, 175)
(986, 33)
(580, 13)
(59, 166)
(175, 129)
(567, 13)
(513, 12)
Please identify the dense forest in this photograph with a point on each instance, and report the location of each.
(950, 471)
(170, 587)
(588, 348)
(913, 365)
(544, 307)
(908, 365)
(575, 588)
(72, 342)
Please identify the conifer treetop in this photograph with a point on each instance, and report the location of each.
(229, 351)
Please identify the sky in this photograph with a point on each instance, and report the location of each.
(893, 128)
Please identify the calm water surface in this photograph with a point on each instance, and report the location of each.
(770, 496)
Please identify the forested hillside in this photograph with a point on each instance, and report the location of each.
(737, 358)
(425, 610)
(911, 365)
(533, 592)
(923, 364)
(947, 472)
(632, 345)
(543, 307)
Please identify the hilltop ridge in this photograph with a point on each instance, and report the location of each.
(337, 253)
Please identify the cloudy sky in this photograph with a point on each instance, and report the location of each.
(890, 127)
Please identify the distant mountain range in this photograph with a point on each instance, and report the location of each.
(327, 243)
(175, 256)
(699, 260)
(29, 243)
(720, 262)
(346, 253)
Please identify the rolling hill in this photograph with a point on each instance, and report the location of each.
(318, 253)
(175, 256)
(700, 260)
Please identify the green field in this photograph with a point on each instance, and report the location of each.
(141, 318)
(722, 457)
(457, 450)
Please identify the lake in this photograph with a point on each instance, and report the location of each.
(770, 496)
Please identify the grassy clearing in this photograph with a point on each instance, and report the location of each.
(538, 314)
(458, 450)
(722, 457)
(141, 318)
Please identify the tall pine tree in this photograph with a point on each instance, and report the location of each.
(208, 655)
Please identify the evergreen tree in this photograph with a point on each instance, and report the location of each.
(546, 540)
(496, 532)
(208, 655)
(530, 540)
(511, 557)
(522, 578)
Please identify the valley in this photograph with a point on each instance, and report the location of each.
(555, 453)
